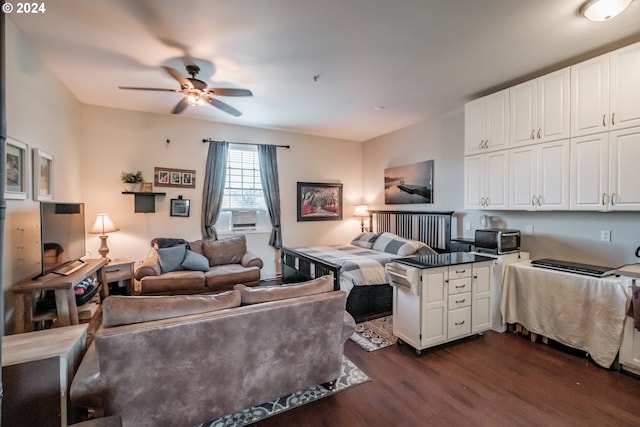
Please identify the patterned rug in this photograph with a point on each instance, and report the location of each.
(350, 376)
(374, 334)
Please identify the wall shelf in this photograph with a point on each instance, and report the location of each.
(144, 201)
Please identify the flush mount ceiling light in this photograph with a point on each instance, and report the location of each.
(603, 10)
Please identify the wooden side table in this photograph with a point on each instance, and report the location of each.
(66, 310)
(121, 271)
(37, 370)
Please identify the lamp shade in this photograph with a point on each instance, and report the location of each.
(103, 225)
(361, 211)
(603, 10)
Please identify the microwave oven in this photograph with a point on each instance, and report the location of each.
(497, 241)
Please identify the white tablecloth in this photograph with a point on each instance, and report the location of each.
(582, 312)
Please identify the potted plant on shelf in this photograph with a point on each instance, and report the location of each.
(130, 179)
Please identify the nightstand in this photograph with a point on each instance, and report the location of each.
(120, 271)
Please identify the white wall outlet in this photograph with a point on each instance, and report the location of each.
(467, 226)
(605, 235)
(529, 229)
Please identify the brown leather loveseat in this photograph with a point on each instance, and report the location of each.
(178, 267)
(183, 360)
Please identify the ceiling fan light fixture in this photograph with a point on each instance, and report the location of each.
(603, 10)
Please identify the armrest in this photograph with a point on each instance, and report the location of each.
(86, 388)
(349, 326)
(249, 259)
(149, 267)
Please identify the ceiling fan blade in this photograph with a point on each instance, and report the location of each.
(148, 88)
(184, 82)
(219, 91)
(223, 106)
(181, 106)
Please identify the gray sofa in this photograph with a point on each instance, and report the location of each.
(182, 360)
(178, 267)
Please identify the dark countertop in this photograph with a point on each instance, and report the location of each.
(443, 260)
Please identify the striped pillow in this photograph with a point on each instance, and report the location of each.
(393, 244)
(365, 240)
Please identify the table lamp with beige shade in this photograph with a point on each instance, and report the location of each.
(102, 226)
(362, 212)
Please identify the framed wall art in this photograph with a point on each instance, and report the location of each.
(42, 175)
(409, 183)
(180, 207)
(177, 178)
(16, 165)
(319, 201)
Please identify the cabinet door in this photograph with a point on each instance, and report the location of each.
(473, 126)
(625, 87)
(624, 171)
(630, 347)
(590, 96)
(553, 175)
(553, 106)
(590, 172)
(434, 307)
(497, 120)
(481, 294)
(523, 118)
(473, 170)
(496, 189)
(523, 170)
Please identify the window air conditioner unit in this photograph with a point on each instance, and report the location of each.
(243, 219)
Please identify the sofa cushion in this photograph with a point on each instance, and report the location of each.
(225, 251)
(195, 261)
(125, 310)
(258, 294)
(394, 244)
(365, 240)
(174, 283)
(224, 277)
(171, 258)
(196, 246)
(167, 242)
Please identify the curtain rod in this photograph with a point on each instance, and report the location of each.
(247, 143)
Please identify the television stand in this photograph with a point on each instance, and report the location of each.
(66, 309)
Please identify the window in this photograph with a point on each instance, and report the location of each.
(243, 186)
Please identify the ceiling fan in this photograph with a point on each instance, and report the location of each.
(196, 91)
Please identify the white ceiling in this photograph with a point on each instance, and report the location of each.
(416, 58)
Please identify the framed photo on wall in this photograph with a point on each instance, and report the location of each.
(177, 178)
(42, 175)
(180, 207)
(319, 201)
(16, 165)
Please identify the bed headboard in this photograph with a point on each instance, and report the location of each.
(432, 228)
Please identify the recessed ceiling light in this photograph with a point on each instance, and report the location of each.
(603, 10)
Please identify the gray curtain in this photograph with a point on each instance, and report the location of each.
(269, 175)
(213, 189)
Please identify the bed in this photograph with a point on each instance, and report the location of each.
(358, 267)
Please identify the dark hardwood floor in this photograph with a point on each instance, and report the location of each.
(492, 380)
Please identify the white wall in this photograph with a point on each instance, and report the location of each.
(565, 235)
(42, 113)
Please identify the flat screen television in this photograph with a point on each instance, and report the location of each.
(62, 237)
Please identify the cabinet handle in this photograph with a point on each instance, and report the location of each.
(460, 271)
(534, 201)
(613, 199)
(613, 119)
(459, 323)
(539, 130)
(461, 301)
(481, 143)
(604, 123)
(605, 199)
(533, 131)
(486, 144)
(460, 286)
(487, 201)
(540, 200)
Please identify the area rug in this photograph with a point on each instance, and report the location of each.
(350, 375)
(374, 334)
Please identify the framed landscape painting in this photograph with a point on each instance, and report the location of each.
(16, 165)
(409, 183)
(319, 202)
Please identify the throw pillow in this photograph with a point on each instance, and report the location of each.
(365, 240)
(258, 294)
(393, 244)
(225, 251)
(171, 258)
(124, 310)
(195, 261)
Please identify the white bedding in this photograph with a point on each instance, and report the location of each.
(579, 311)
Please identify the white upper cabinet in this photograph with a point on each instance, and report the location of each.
(590, 172)
(539, 176)
(540, 109)
(486, 122)
(624, 172)
(605, 92)
(486, 180)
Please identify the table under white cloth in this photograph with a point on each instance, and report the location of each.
(583, 312)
